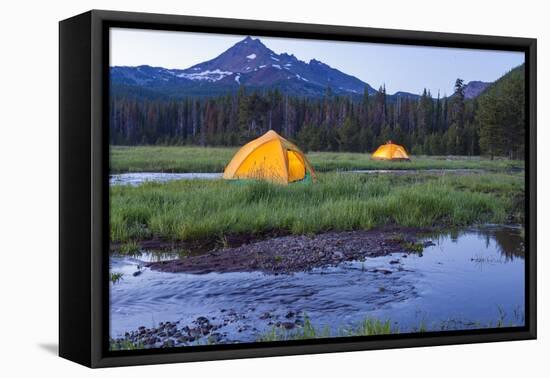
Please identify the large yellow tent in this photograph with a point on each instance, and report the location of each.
(270, 157)
(390, 151)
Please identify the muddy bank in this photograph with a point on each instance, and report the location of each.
(294, 253)
(201, 246)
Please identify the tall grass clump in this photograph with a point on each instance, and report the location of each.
(371, 327)
(124, 345)
(368, 327)
(305, 332)
(196, 209)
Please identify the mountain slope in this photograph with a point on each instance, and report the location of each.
(249, 63)
(497, 86)
(475, 88)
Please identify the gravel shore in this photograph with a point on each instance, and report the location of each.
(294, 253)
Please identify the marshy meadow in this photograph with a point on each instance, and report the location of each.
(419, 211)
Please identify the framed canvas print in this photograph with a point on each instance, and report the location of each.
(234, 188)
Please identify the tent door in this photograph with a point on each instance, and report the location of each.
(296, 167)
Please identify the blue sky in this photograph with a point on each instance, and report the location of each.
(400, 68)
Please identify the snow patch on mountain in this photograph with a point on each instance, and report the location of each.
(251, 56)
(211, 76)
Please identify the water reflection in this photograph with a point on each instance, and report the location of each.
(509, 240)
(139, 178)
(468, 279)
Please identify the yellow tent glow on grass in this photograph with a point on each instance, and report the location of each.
(270, 157)
(390, 151)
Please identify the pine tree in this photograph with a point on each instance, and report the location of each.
(501, 117)
(457, 115)
(348, 135)
(492, 124)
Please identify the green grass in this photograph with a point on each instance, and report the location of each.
(307, 331)
(116, 276)
(129, 248)
(414, 247)
(199, 209)
(372, 327)
(214, 159)
(332, 161)
(369, 327)
(125, 345)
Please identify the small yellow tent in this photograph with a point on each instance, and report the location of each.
(390, 151)
(270, 157)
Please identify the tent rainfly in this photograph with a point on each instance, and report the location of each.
(390, 151)
(270, 157)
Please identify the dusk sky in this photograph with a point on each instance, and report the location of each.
(400, 68)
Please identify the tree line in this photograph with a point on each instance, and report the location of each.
(492, 124)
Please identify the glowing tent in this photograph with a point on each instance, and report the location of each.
(270, 157)
(390, 151)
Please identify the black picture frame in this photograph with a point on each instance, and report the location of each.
(84, 187)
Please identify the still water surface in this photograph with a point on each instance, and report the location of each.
(139, 178)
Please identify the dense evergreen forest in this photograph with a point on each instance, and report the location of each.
(492, 124)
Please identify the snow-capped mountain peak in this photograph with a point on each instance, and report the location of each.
(250, 63)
